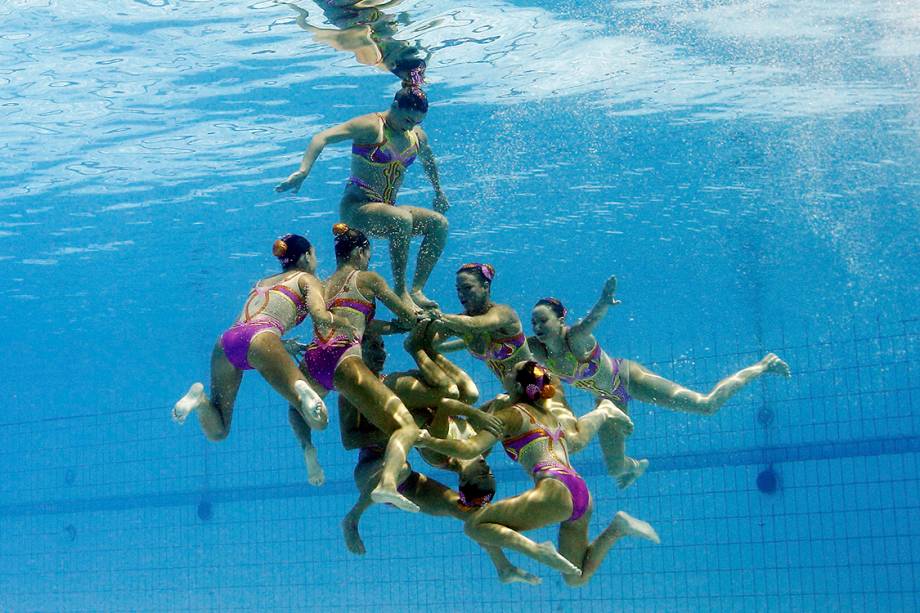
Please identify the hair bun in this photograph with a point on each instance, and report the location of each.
(279, 248)
(548, 391)
(340, 228)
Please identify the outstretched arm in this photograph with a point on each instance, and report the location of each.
(465, 450)
(471, 447)
(388, 297)
(493, 319)
(480, 420)
(426, 156)
(580, 335)
(359, 128)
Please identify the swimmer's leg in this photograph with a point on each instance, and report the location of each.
(435, 498)
(500, 524)
(432, 373)
(350, 524)
(214, 414)
(393, 223)
(433, 226)
(573, 543)
(268, 356)
(315, 474)
(384, 410)
(612, 437)
(646, 386)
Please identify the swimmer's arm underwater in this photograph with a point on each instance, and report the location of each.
(464, 450)
(580, 335)
(388, 297)
(493, 319)
(312, 290)
(426, 156)
(472, 447)
(480, 420)
(360, 129)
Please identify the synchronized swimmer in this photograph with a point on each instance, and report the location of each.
(433, 407)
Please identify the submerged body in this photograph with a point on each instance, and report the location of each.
(533, 437)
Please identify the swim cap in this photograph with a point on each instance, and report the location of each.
(289, 248)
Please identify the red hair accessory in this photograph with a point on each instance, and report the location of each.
(340, 228)
(279, 248)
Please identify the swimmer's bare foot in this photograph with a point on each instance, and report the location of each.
(624, 524)
(422, 300)
(513, 574)
(546, 553)
(633, 469)
(352, 536)
(193, 399)
(380, 495)
(772, 364)
(312, 407)
(315, 473)
(617, 418)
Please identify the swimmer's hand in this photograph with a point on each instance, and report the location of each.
(481, 420)
(423, 437)
(433, 315)
(293, 346)
(440, 203)
(293, 182)
(608, 294)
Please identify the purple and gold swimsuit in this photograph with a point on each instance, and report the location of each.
(599, 374)
(501, 353)
(391, 164)
(324, 355)
(274, 310)
(548, 457)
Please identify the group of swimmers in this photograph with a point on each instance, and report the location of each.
(433, 407)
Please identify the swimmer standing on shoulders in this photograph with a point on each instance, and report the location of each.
(384, 145)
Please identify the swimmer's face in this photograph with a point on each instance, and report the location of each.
(405, 119)
(472, 292)
(374, 352)
(545, 323)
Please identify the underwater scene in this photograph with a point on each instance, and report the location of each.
(403, 305)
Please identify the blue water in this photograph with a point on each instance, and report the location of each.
(748, 170)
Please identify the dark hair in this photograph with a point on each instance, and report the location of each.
(347, 240)
(411, 71)
(485, 272)
(477, 494)
(554, 304)
(411, 99)
(534, 381)
(289, 248)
